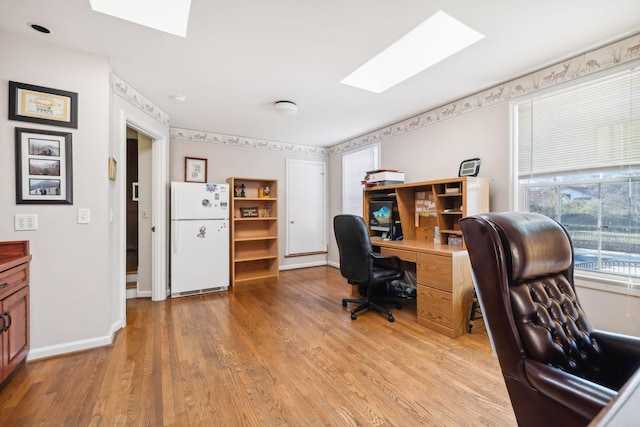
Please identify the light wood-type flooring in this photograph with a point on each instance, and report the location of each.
(279, 355)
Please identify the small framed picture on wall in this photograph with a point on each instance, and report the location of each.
(195, 169)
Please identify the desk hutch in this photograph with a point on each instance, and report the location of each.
(429, 212)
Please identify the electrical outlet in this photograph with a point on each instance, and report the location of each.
(25, 222)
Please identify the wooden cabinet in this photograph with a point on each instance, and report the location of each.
(14, 305)
(254, 231)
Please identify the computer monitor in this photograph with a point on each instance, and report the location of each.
(380, 215)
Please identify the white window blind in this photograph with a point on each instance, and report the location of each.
(589, 126)
(355, 165)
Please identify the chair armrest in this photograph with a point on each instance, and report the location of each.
(582, 396)
(614, 343)
(624, 353)
(399, 265)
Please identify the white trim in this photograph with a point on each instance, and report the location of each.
(302, 265)
(74, 346)
(610, 285)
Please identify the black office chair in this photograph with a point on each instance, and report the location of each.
(361, 266)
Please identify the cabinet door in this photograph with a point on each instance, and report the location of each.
(15, 309)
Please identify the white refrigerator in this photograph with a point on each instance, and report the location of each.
(199, 238)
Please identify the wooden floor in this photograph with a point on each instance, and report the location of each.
(280, 355)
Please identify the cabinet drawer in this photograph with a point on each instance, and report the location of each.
(434, 271)
(408, 256)
(13, 279)
(435, 306)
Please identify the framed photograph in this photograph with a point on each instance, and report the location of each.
(37, 104)
(249, 212)
(195, 169)
(43, 167)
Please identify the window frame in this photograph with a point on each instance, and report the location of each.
(345, 185)
(627, 285)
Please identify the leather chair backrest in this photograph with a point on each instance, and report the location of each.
(354, 246)
(532, 263)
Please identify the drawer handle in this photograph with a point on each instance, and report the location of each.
(6, 313)
(4, 324)
(4, 285)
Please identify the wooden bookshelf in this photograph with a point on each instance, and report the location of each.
(254, 231)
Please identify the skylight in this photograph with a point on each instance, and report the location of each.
(437, 38)
(169, 16)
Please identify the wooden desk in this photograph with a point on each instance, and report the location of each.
(444, 284)
(623, 409)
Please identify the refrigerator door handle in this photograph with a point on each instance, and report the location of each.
(175, 236)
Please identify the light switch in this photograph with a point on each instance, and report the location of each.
(84, 216)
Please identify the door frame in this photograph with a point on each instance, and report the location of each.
(160, 179)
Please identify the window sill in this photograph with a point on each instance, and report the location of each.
(607, 284)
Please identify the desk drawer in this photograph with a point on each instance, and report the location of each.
(13, 279)
(434, 271)
(408, 256)
(435, 306)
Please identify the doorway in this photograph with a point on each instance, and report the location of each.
(139, 214)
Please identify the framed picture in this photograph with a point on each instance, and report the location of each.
(249, 212)
(37, 104)
(195, 169)
(43, 167)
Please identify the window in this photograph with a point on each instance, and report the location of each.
(577, 160)
(355, 165)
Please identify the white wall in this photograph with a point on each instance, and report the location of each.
(228, 161)
(435, 152)
(70, 290)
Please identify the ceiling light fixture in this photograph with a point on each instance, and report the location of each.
(285, 107)
(437, 38)
(40, 28)
(169, 16)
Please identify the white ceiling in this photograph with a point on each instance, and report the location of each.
(241, 56)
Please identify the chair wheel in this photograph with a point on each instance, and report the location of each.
(391, 319)
(353, 315)
(344, 303)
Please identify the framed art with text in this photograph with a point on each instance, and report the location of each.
(43, 167)
(37, 104)
(195, 169)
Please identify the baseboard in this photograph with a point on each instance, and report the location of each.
(333, 264)
(74, 346)
(302, 265)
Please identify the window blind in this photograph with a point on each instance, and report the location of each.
(355, 165)
(589, 126)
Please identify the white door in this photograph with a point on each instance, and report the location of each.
(306, 198)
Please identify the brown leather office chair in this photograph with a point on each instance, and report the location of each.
(557, 369)
(361, 266)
